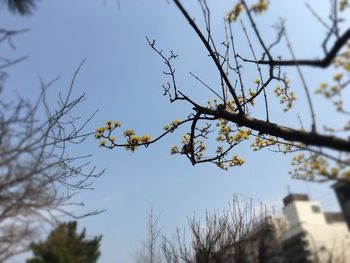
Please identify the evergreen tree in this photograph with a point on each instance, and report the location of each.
(65, 245)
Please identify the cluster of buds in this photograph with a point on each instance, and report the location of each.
(173, 125)
(103, 134)
(343, 59)
(286, 98)
(133, 140)
(234, 13)
(343, 4)
(310, 167)
(260, 7)
(333, 92)
(242, 134)
(236, 161)
(261, 142)
(107, 140)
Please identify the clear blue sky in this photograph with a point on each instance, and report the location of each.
(122, 77)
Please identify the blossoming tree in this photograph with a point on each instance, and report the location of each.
(320, 153)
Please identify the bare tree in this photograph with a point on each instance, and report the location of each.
(230, 116)
(236, 235)
(150, 252)
(38, 176)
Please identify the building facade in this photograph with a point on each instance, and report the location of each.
(312, 234)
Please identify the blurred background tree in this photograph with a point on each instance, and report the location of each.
(240, 233)
(22, 7)
(38, 176)
(65, 245)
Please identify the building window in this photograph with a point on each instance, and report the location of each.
(316, 209)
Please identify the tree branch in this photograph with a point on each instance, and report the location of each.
(211, 52)
(323, 63)
(289, 134)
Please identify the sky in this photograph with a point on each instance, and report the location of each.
(122, 79)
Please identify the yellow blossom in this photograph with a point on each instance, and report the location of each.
(128, 133)
(346, 175)
(221, 165)
(347, 66)
(260, 6)
(145, 138)
(251, 93)
(102, 143)
(242, 135)
(174, 150)
(219, 138)
(334, 88)
(202, 146)
(100, 129)
(334, 171)
(234, 13)
(175, 123)
(185, 139)
(134, 139)
(343, 4)
(236, 161)
(337, 77)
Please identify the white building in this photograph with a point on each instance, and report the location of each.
(313, 235)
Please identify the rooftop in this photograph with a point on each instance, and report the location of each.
(295, 197)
